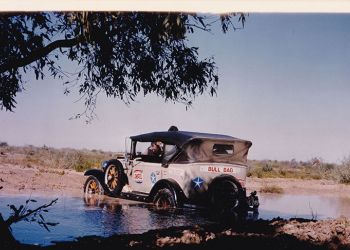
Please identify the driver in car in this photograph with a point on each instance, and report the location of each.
(154, 149)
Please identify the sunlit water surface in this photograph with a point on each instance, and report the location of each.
(106, 216)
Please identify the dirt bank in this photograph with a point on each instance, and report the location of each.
(17, 179)
(20, 179)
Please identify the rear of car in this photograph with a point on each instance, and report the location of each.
(212, 169)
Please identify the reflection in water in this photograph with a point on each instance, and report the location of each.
(104, 216)
(122, 216)
(304, 206)
(343, 207)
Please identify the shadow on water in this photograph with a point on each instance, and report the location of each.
(105, 216)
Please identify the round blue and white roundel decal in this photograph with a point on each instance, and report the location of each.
(153, 178)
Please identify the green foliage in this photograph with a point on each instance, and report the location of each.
(83, 162)
(120, 54)
(267, 168)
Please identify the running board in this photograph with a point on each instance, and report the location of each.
(134, 196)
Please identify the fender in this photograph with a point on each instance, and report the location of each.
(105, 164)
(98, 173)
(173, 186)
(115, 161)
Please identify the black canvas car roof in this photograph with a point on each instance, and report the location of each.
(181, 137)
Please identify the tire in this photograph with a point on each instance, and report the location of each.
(164, 199)
(93, 186)
(224, 195)
(114, 178)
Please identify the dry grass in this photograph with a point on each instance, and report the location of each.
(81, 160)
(344, 171)
(47, 157)
(314, 169)
(271, 189)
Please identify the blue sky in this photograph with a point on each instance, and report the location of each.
(284, 85)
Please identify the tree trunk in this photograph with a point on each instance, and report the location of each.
(6, 238)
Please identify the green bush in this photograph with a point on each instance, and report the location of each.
(286, 169)
(83, 163)
(267, 168)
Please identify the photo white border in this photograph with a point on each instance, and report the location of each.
(198, 6)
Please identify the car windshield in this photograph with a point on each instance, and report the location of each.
(149, 151)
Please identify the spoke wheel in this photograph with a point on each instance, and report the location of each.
(93, 186)
(164, 199)
(113, 178)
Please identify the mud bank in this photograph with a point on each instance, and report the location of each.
(24, 179)
(260, 234)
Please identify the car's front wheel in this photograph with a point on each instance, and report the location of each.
(113, 178)
(93, 186)
(164, 199)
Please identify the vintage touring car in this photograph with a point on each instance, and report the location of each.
(178, 169)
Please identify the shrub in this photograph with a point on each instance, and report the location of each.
(3, 144)
(47, 157)
(328, 166)
(344, 171)
(271, 189)
(282, 172)
(267, 168)
(344, 176)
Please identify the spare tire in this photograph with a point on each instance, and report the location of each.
(114, 177)
(224, 194)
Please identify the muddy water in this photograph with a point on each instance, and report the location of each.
(106, 216)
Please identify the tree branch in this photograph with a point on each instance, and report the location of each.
(17, 62)
(16, 218)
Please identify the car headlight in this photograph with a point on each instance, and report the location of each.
(104, 164)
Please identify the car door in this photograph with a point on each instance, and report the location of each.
(144, 175)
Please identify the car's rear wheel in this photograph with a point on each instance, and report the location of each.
(224, 195)
(164, 199)
(93, 186)
(113, 178)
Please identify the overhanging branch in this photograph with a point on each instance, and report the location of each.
(17, 62)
